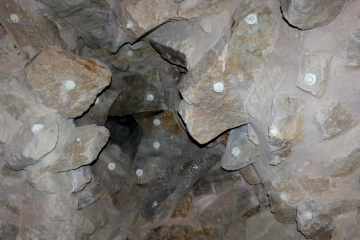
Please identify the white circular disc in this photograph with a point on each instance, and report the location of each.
(130, 53)
(252, 19)
(156, 145)
(111, 166)
(218, 87)
(310, 79)
(157, 122)
(150, 97)
(235, 151)
(129, 25)
(139, 172)
(14, 18)
(37, 128)
(97, 101)
(273, 132)
(70, 85)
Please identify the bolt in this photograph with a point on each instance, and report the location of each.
(37, 128)
(273, 132)
(157, 122)
(129, 25)
(78, 140)
(130, 53)
(139, 172)
(70, 85)
(310, 79)
(111, 166)
(156, 145)
(235, 151)
(14, 18)
(150, 97)
(97, 101)
(252, 19)
(218, 87)
(155, 203)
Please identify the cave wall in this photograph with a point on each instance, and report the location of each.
(154, 119)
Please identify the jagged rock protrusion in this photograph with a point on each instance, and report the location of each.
(308, 14)
(66, 82)
(286, 126)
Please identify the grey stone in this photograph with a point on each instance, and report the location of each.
(81, 148)
(250, 175)
(252, 134)
(8, 231)
(53, 71)
(346, 160)
(80, 177)
(353, 52)
(263, 226)
(312, 222)
(143, 16)
(286, 126)
(89, 196)
(240, 151)
(31, 144)
(334, 120)
(319, 66)
(307, 14)
(91, 21)
(264, 91)
(139, 93)
(208, 113)
(33, 32)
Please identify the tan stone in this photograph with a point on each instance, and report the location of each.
(286, 126)
(250, 175)
(184, 207)
(50, 72)
(353, 52)
(334, 120)
(310, 14)
(207, 113)
(319, 65)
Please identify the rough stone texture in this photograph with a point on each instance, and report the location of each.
(28, 147)
(33, 32)
(91, 21)
(49, 72)
(207, 113)
(240, 151)
(252, 134)
(287, 120)
(310, 14)
(334, 120)
(353, 53)
(8, 231)
(73, 154)
(147, 15)
(318, 65)
(250, 175)
(263, 226)
(134, 91)
(346, 160)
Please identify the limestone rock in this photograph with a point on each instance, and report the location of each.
(8, 231)
(263, 226)
(33, 31)
(334, 120)
(310, 14)
(37, 137)
(208, 113)
(286, 126)
(66, 82)
(319, 66)
(139, 93)
(316, 185)
(184, 207)
(81, 148)
(143, 16)
(250, 175)
(240, 151)
(353, 53)
(92, 194)
(312, 222)
(346, 160)
(252, 134)
(264, 91)
(80, 177)
(91, 21)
